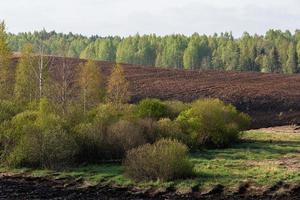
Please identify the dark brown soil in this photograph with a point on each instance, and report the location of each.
(24, 187)
(271, 99)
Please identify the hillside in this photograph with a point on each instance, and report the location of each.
(271, 99)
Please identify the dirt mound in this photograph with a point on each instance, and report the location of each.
(271, 99)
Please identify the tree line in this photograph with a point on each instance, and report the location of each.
(276, 51)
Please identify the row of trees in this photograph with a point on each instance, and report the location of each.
(34, 78)
(276, 51)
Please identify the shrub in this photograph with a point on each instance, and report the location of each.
(164, 160)
(52, 148)
(212, 123)
(105, 114)
(172, 130)
(12, 131)
(90, 138)
(123, 136)
(149, 129)
(101, 142)
(175, 108)
(8, 110)
(37, 139)
(151, 108)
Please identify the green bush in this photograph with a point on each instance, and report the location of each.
(149, 129)
(175, 108)
(151, 108)
(123, 136)
(51, 148)
(164, 160)
(91, 135)
(97, 143)
(37, 139)
(8, 110)
(90, 138)
(210, 122)
(172, 130)
(12, 131)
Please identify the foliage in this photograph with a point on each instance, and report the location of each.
(151, 108)
(37, 139)
(26, 87)
(175, 108)
(49, 148)
(149, 129)
(123, 136)
(90, 82)
(212, 123)
(8, 110)
(6, 79)
(107, 134)
(164, 160)
(172, 130)
(118, 86)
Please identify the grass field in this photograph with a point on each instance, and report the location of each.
(262, 159)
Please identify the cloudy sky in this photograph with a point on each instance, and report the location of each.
(127, 17)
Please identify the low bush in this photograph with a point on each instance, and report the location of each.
(123, 136)
(151, 108)
(172, 130)
(164, 160)
(175, 108)
(12, 131)
(210, 122)
(149, 129)
(91, 135)
(51, 148)
(91, 141)
(37, 139)
(8, 110)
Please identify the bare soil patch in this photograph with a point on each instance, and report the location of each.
(24, 187)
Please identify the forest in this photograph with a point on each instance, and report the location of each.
(276, 51)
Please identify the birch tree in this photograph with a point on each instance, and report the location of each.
(6, 79)
(26, 87)
(90, 82)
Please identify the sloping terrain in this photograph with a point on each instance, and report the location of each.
(271, 99)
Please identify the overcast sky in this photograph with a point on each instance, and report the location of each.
(127, 17)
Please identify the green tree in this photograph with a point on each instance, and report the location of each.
(106, 50)
(26, 86)
(197, 53)
(127, 50)
(6, 79)
(231, 56)
(90, 82)
(172, 52)
(191, 56)
(298, 53)
(292, 61)
(274, 61)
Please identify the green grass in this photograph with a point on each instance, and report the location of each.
(257, 159)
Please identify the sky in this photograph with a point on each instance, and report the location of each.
(128, 17)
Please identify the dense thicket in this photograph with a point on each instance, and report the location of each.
(276, 51)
